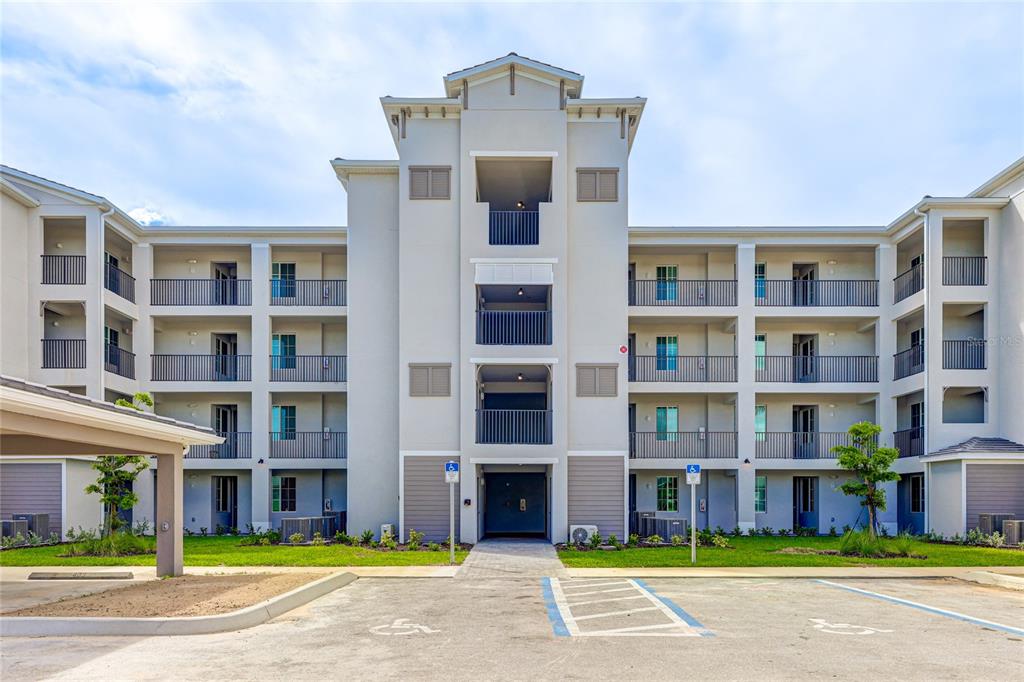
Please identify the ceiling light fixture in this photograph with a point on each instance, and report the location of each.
(519, 377)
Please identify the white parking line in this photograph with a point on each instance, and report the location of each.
(602, 601)
(617, 582)
(584, 594)
(627, 612)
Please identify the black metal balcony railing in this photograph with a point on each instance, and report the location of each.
(513, 327)
(908, 362)
(799, 444)
(63, 353)
(311, 292)
(682, 368)
(963, 354)
(682, 445)
(816, 293)
(513, 427)
(964, 270)
(119, 361)
(201, 292)
(308, 368)
(513, 228)
(908, 283)
(307, 445)
(63, 269)
(910, 442)
(120, 282)
(236, 445)
(683, 292)
(816, 368)
(202, 367)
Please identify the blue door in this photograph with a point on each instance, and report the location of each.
(805, 502)
(516, 504)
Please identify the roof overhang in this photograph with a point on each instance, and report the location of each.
(346, 168)
(611, 109)
(1001, 178)
(540, 70)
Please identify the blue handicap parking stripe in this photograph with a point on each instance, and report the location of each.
(676, 609)
(554, 615)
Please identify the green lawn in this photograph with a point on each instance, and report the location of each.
(225, 551)
(759, 551)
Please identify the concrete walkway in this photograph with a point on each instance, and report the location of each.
(794, 572)
(512, 558)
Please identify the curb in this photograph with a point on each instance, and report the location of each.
(801, 572)
(1009, 582)
(46, 626)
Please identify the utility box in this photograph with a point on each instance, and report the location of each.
(1014, 532)
(37, 523)
(11, 528)
(992, 523)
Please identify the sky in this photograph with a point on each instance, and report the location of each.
(757, 114)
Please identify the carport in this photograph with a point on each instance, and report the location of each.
(38, 421)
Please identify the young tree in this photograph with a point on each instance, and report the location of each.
(117, 473)
(870, 464)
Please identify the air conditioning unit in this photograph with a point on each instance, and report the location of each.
(581, 534)
(1014, 532)
(990, 523)
(387, 529)
(37, 523)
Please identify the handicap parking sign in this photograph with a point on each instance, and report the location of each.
(693, 468)
(451, 472)
(693, 474)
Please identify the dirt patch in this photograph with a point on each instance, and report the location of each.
(189, 595)
(807, 550)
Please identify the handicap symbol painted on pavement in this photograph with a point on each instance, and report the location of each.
(844, 628)
(402, 626)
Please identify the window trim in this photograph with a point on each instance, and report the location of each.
(597, 184)
(672, 494)
(277, 496)
(430, 185)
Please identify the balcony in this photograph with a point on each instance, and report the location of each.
(306, 368)
(119, 282)
(682, 293)
(204, 292)
(513, 327)
(63, 269)
(682, 445)
(119, 361)
(964, 270)
(682, 368)
(908, 283)
(963, 354)
(815, 369)
(799, 444)
(910, 442)
(202, 368)
(307, 445)
(308, 292)
(908, 362)
(513, 427)
(513, 228)
(236, 445)
(63, 353)
(815, 293)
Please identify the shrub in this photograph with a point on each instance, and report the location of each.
(342, 538)
(767, 531)
(719, 530)
(832, 531)
(633, 540)
(220, 529)
(861, 543)
(113, 545)
(318, 540)
(613, 540)
(367, 537)
(719, 541)
(415, 539)
(388, 542)
(202, 531)
(595, 541)
(783, 532)
(752, 531)
(902, 545)
(846, 529)
(141, 527)
(8, 541)
(296, 538)
(433, 547)
(654, 539)
(885, 531)
(676, 540)
(737, 531)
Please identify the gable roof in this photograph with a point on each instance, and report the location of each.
(453, 81)
(981, 445)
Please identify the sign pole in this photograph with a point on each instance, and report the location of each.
(451, 525)
(693, 523)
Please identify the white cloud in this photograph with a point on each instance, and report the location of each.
(147, 216)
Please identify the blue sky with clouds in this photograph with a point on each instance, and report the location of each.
(757, 114)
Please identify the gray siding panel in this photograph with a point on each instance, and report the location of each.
(31, 489)
(425, 497)
(994, 488)
(597, 493)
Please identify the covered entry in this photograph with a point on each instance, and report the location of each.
(515, 502)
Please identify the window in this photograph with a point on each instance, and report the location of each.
(760, 347)
(430, 380)
(430, 182)
(597, 381)
(668, 493)
(282, 422)
(760, 494)
(282, 493)
(597, 184)
(667, 423)
(917, 494)
(222, 494)
(282, 280)
(760, 422)
(282, 350)
(667, 349)
(667, 285)
(760, 269)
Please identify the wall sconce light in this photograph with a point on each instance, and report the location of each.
(519, 377)
(193, 333)
(59, 245)
(192, 261)
(520, 204)
(56, 323)
(520, 292)
(831, 261)
(831, 333)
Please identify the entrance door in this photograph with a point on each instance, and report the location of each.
(804, 287)
(805, 431)
(632, 357)
(516, 504)
(631, 283)
(632, 429)
(112, 342)
(225, 361)
(805, 502)
(225, 423)
(805, 361)
(225, 284)
(225, 502)
(917, 345)
(917, 424)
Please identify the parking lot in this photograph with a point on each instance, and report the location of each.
(556, 628)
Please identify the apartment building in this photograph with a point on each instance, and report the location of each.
(505, 315)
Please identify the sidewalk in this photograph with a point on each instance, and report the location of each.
(795, 572)
(15, 573)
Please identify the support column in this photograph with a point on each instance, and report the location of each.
(746, 327)
(170, 502)
(94, 310)
(142, 269)
(260, 325)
